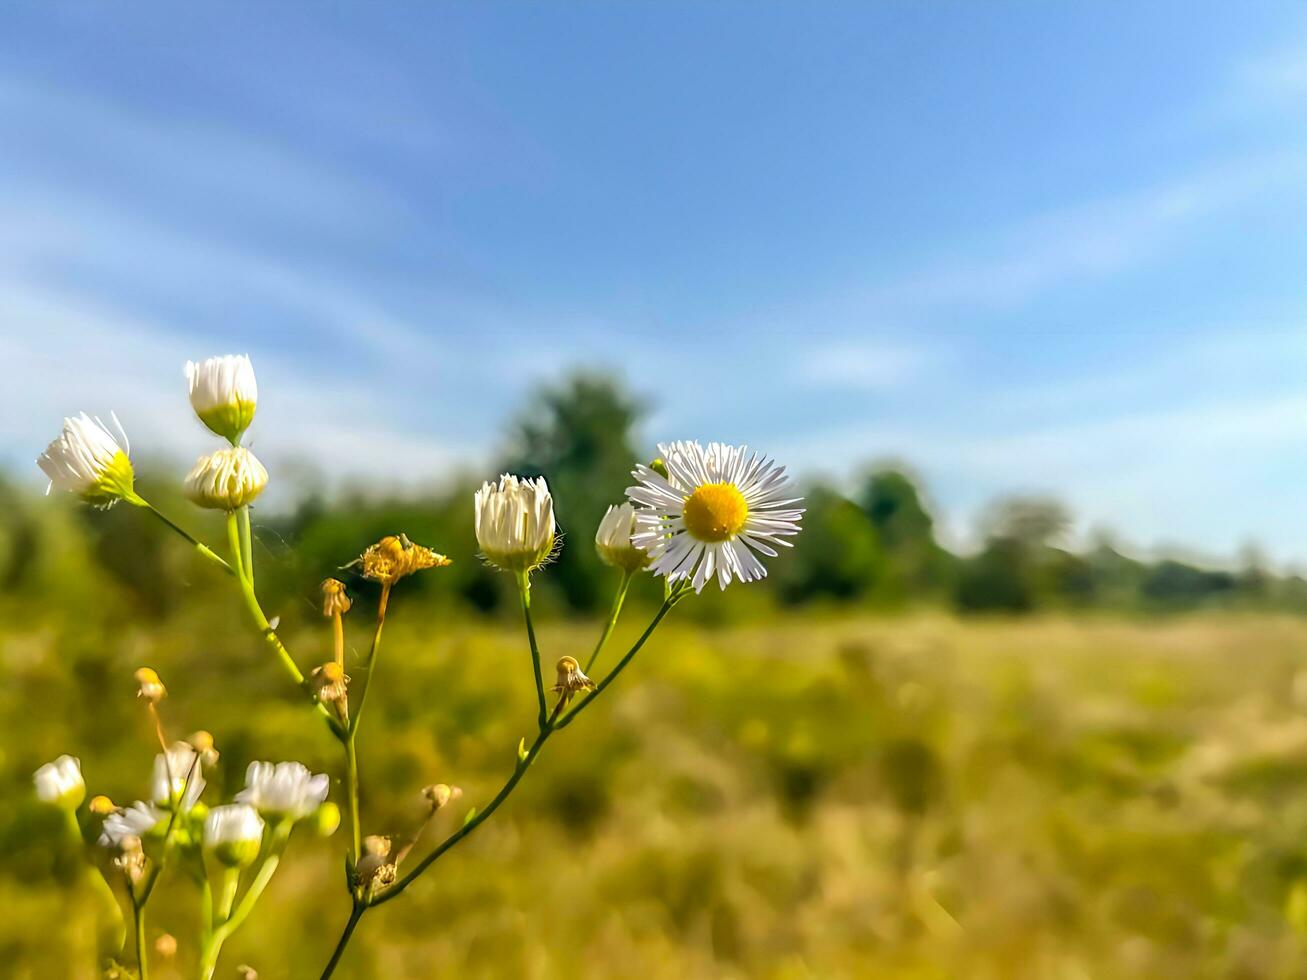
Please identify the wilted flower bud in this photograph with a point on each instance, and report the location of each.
(226, 480)
(166, 945)
(286, 790)
(374, 867)
(613, 539)
(571, 680)
(246, 972)
(60, 783)
(335, 602)
(330, 685)
(86, 460)
(151, 688)
(224, 393)
(440, 794)
(102, 806)
(515, 523)
(393, 557)
(131, 858)
(203, 743)
(233, 834)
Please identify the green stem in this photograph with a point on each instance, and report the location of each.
(138, 918)
(203, 549)
(382, 604)
(548, 726)
(232, 922)
(112, 930)
(616, 611)
(261, 621)
(352, 792)
(355, 914)
(663, 610)
(524, 591)
(247, 545)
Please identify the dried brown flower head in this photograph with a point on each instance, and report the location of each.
(571, 681)
(335, 602)
(391, 558)
(150, 687)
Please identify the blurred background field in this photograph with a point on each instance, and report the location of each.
(820, 796)
(886, 760)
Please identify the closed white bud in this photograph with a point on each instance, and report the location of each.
(87, 460)
(60, 783)
(224, 393)
(233, 834)
(515, 523)
(286, 790)
(226, 480)
(613, 539)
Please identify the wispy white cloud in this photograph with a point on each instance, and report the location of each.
(1085, 241)
(867, 365)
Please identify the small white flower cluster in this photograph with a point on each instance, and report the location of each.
(87, 460)
(283, 794)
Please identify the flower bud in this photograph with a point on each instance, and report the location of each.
(102, 806)
(439, 795)
(613, 539)
(177, 781)
(151, 688)
(224, 394)
(86, 460)
(233, 834)
(375, 866)
(515, 523)
(570, 679)
(60, 783)
(166, 945)
(326, 819)
(330, 685)
(226, 480)
(335, 601)
(202, 742)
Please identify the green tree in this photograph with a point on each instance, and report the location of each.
(838, 555)
(915, 564)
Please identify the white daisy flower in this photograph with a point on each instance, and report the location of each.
(233, 834)
(176, 775)
(613, 539)
(226, 480)
(284, 790)
(515, 523)
(130, 823)
(224, 393)
(714, 508)
(60, 783)
(87, 460)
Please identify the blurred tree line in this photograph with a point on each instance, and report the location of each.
(874, 547)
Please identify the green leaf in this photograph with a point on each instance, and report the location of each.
(470, 814)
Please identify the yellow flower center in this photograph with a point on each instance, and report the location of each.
(715, 512)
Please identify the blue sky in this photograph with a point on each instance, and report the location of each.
(1025, 247)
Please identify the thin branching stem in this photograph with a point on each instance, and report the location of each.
(265, 627)
(613, 614)
(524, 591)
(202, 548)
